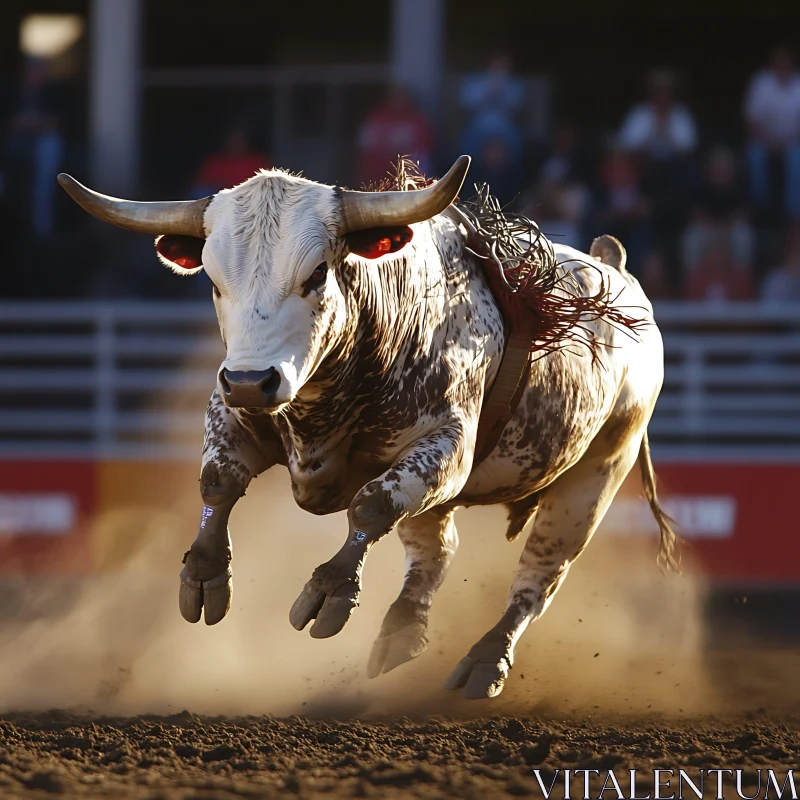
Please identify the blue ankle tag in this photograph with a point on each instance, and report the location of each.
(358, 537)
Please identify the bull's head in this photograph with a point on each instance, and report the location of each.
(269, 246)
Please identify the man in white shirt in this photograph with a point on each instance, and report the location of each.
(661, 135)
(660, 128)
(772, 111)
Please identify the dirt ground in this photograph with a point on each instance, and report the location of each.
(201, 758)
(465, 752)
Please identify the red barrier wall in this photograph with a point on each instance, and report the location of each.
(45, 512)
(741, 519)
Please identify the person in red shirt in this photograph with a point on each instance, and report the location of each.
(394, 128)
(718, 278)
(237, 162)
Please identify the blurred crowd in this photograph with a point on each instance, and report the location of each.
(701, 220)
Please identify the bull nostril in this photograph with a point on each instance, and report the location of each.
(249, 388)
(271, 382)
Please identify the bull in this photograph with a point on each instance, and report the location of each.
(361, 340)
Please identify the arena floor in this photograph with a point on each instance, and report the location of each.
(467, 752)
(200, 758)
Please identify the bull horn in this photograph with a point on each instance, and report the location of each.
(182, 217)
(361, 210)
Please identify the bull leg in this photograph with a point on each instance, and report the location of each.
(232, 457)
(520, 513)
(431, 472)
(430, 540)
(568, 514)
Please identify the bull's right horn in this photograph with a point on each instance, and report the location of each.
(181, 217)
(361, 210)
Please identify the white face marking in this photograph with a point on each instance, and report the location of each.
(268, 236)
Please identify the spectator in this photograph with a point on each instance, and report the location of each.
(394, 128)
(493, 165)
(559, 209)
(782, 284)
(661, 134)
(660, 129)
(237, 162)
(560, 199)
(565, 161)
(772, 111)
(718, 277)
(654, 277)
(720, 209)
(493, 100)
(35, 146)
(622, 207)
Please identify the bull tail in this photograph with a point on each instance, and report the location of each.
(667, 558)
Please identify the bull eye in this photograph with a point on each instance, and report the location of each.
(317, 278)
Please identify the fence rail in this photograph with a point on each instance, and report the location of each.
(131, 379)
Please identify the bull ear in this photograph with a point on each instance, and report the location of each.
(182, 254)
(377, 242)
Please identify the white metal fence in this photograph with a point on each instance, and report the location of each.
(131, 379)
(109, 379)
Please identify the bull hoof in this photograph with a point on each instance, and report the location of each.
(396, 648)
(480, 680)
(212, 598)
(331, 610)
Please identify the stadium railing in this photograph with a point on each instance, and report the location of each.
(131, 379)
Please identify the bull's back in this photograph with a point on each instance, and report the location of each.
(570, 396)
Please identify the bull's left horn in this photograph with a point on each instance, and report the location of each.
(182, 217)
(361, 210)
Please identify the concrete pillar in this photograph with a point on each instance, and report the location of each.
(417, 54)
(116, 27)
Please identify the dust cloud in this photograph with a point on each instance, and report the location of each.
(619, 636)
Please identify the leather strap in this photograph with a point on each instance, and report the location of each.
(506, 392)
(509, 383)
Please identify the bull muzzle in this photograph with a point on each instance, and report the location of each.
(251, 388)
